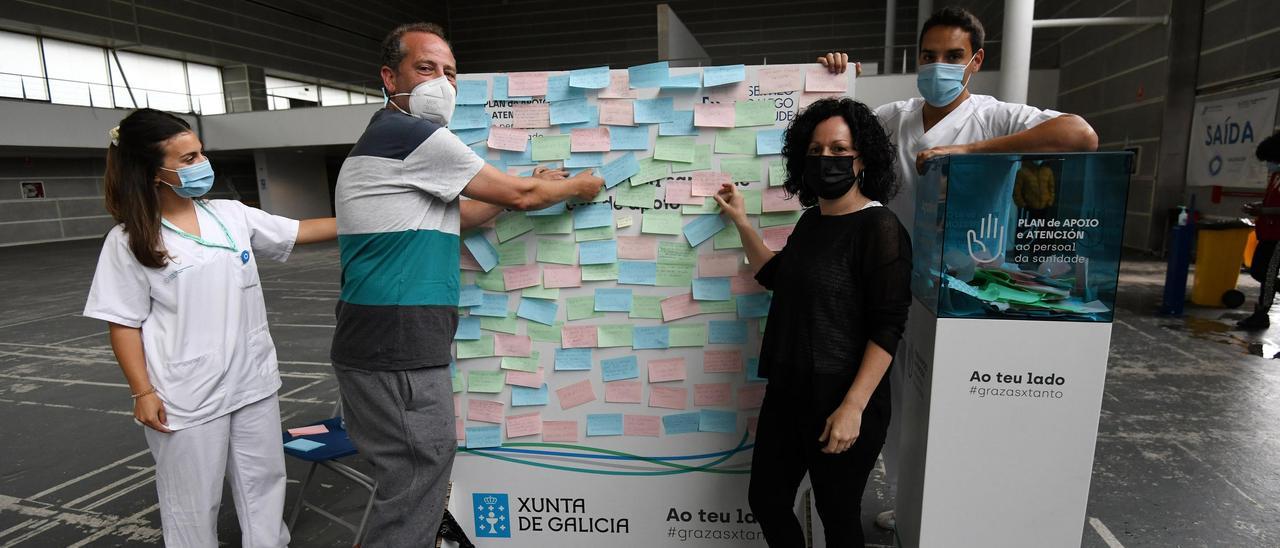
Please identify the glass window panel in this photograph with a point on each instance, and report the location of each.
(156, 82)
(292, 89)
(77, 74)
(205, 83)
(331, 97)
(21, 73)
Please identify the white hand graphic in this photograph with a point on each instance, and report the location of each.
(992, 231)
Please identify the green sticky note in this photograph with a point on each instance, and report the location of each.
(708, 207)
(661, 221)
(491, 280)
(581, 308)
(608, 336)
(480, 348)
(550, 147)
(729, 238)
(735, 141)
(457, 382)
(777, 173)
(674, 275)
(754, 200)
(544, 333)
(513, 253)
(718, 307)
(741, 170)
(599, 273)
(552, 224)
(687, 335)
(512, 224)
(605, 232)
(779, 218)
(646, 307)
(675, 149)
(762, 322)
(539, 292)
(752, 113)
(677, 252)
(651, 170)
(529, 365)
(641, 196)
(701, 160)
(557, 251)
(507, 325)
(485, 382)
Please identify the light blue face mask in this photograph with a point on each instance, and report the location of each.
(196, 179)
(941, 83)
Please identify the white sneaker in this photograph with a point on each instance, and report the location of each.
(886, 520)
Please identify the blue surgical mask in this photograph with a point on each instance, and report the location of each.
(941, 83)
(196, 179)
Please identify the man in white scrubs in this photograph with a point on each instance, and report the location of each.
(947, 119)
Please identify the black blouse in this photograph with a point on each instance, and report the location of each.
(840, 282)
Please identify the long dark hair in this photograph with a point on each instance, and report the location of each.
(132, 162)
(878, 153)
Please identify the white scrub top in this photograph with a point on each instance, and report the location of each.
(203, 319)
(978, 118)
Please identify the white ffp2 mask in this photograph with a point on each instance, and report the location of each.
(431, 100)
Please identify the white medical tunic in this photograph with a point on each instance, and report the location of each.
(978, 118)
(203, 319)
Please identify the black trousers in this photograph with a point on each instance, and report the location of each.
(1264, 268)
(787, 446)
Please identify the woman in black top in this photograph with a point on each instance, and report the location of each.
(840, 301)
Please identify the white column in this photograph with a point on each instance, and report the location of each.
(890, 21)
(1015, 50)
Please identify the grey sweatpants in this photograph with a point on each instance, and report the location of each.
(402, 422)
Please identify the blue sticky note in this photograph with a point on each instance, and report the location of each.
(651, 75)
(710, 420)
(727, 332)
(584, 159)
(598, 252)
(691, 80)
(481, 150)
(469, 117)
(653, 111)
(629, 137)
(473, 136)
(619, 169)
(569, 112)
(589, 78)
(484, 436)
(522, 396)
(654, 337)
(681, 124)
(753, 370)
(500, 90)
(469, 295)
(558, 208)
(593, 216)
(482, 250)
(718, 76)
(604, 424)
(468, 329)
(769, 141)
(681, 423)
(303, 444)
(615, 369)
(703, 228)
(755, 305)
(473, 92)
(711, 289)
(593, 121)
(573, 359)
(493, 305)
(638, 273)
(613, 300)
(558, 89)
(513, 158)
(542, 311)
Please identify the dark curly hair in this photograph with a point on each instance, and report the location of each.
(878, 153)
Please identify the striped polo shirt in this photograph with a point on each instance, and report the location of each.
(398, 222)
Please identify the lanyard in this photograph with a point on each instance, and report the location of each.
(230, 245)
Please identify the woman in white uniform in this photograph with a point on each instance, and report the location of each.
(178, 282)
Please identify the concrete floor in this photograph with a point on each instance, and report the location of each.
(1186, 456)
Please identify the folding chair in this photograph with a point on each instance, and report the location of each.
(336, 446)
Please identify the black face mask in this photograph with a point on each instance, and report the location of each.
(830, 177)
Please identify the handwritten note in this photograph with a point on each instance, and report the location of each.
(779, 79)
(560, 431)
(667, 397)
(722, 361)
(519, 426)
(714, 394)
(679, 306)
(713, 115)
(820, 79)
(641, 425)
(667, 370)
(531, 115)
(527, 84)
(485, 411)
(589, 140)
(575, 394)
(623, 392)
(616, 112)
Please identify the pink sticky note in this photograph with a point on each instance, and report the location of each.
(745, 283)
(752, 423)
(707, 183)
(519, 426)
(679, 306)
(485, 411)
(670, 369)
(637, 248)
(711, 394)
(807, 99)
(616, 112)
(575, 394)
(512, 345)
(622, 392)
(557, 276)
(681, 192)
(520, 277)
(820, 79)
(641, 425)
(775, 199)
(525, 378)
(531, 115)
(505, 138)
(619, 87)
(467, 261)
(561, 431)
(668, 398)
(589, 140)
(728, 93)
(779, 79)
(457, 405)
(714, 114)
(460, 430)
(775, 237)
(526, 84)
(579, 336)
(718, 265)
(751, 395)
(722, 361)
(314, 429)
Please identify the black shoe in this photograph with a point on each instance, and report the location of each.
(1259, 320)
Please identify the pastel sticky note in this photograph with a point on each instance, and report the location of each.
(562, 276)
(722, 361)
(575, 394)
(551, 147)
(715, 265)
(819, 79)
(538, 310)
(520, 277)
(512, 345)
(506, 324)
(568, 112)
(654, 111)
(584, 159)
(581, 308)
(755, 305)
(638, 196)
(779, 79)
(598, 252)
(479, 437)
(469, 117)
(742, 170)
(681, 423)
(468, 329)
(736, 141)
(711, 289)
(472, 136)
(668, 397)
(777, 173)
(623, 392)
(616, 112)
(660, 222)
(472, 295)
(721, 75)
(688, 335)
(713, 115)
(703, 228)
(473, 92)
(531, 115)
(777, 200)
(579, 337)
(775, 237)
(679, 306)
(560, 431)
(614, 299)
(708, 183)
(690, 80)
(754, 113)
(711, 420)
(717, 307)
(712, 394)
(769, 141)
(646, 307)
(573, 359)
(519, 426)
(674, 275)
(525, 378)
(681, 123)
(303, 444)
(589, 78)
(675, 149)
(485, 410)
(312, 430)
(514, 253)
(751, 396)
(604, 424)
(638, 272)
(614, 336)
(619, 87)
(592, 114)
(589, 140)
(491, 304)
(558, 89)
(592, 216)
(485, 382)
(629, 137)
(637, 248)
(753, 370)
(500, 90)
(558, 252)
(522, 396)
(527, 83)
(727, 332)
(526, 365)
(524, 158)
(619, 169)
(667, 370)
(651, 170)
(651, 75)
(651, 338)
(681, 192)
(482, 250)
(701, 158)
(677, 253)
(641, 425)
